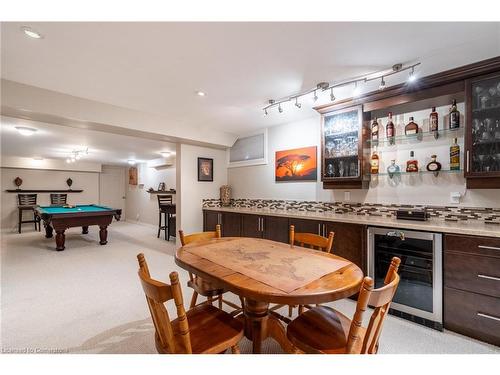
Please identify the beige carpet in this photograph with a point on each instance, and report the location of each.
(87, 298)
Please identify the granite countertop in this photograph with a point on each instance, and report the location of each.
(470, 227)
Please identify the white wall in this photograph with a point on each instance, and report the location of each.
(190, 191)
(258, 181)
(142, 206)
(44, 179)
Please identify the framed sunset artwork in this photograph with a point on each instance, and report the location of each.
(299, 164)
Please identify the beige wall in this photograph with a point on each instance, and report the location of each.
(44, 179)
(190, 191)
(258, 181)
(142, 206)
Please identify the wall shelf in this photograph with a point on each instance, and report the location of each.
(43, 191)
(457, 133)
(447, 171)
(162, 192)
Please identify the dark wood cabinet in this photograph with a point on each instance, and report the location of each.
(250, 226)
(472, 286)
(482, 139)
(231, 224)
(276, 228)
(210, 220)
(306, 225)
(349, 242)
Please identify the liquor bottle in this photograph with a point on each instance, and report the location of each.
(411, 128)
(454, 156)
(454, 118)
(375, 131)
(433, 122)
(412, 164)
(374, 162)
(393, 169)
(434, 165)
(389, 129)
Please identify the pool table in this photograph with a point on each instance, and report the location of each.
(60, 218)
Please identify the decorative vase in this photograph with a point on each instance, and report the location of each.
(225, 195)
(69, 181)
(18, 182)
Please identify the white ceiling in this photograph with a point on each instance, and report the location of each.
(157, 67)
(54, 141)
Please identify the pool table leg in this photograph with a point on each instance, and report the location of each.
(60, 239)
(103, 234)
(85, 230)
(48, 231)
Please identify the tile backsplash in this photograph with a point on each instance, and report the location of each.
(448, 213)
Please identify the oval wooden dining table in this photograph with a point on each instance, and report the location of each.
(263, 272)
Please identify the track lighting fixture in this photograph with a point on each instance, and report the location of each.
(77, 155)
(382, 84)
(323, 86)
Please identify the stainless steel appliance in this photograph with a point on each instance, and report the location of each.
(419, 297)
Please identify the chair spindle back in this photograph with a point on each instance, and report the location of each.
(311, 240)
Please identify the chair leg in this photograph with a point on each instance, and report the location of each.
(159, 224)
(193, 300)
(235, 349)
(20, 219)
(165, 219)
(220, 301)
(210, 300)
(301, 309)
(290, 311)
(167, 227)
(34, 221)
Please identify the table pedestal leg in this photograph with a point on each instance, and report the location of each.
(256, 316)
(103, 235)
(85, 230)
(60, 239)
(48, 231)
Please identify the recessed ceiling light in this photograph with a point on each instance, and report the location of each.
(38, 158)
(165, 153)
(31, 33)
(23, 130)
(131, 162)
(200, 93)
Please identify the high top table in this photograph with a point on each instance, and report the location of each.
(263, 272)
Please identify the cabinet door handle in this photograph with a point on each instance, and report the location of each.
(488, 316)
(324, 230)
(488, 277)
(262, 225)
(488, 247)
(467, 161)
(259, 224)
(319, 229)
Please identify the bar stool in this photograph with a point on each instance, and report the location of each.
(58, 199)
(27, 202)
(166, 208)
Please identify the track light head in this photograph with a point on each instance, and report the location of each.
(280, 110)
(297, 104)
(332, 97)
(315, 97)
(265, 111)
(382, 84)
(412, 77)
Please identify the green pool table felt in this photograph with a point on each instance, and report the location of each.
(82, 208)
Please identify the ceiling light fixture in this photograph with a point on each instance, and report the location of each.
(382, 84)
(200, 93)
(23, 130)
(31, 33)
(165, 153)
(412, 77)
(323, 86)
(131, 162)
(265, 111)
(297, 104)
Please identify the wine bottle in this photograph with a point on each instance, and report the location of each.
(454, 118)
(454, 156)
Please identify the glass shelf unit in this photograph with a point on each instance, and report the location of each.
(455, 133)
(445, 171)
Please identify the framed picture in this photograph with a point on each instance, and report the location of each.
(205, 169)
(299, 164)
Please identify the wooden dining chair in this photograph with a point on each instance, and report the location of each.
(325, 330)
(311, 241)
(204, 329)
(200, 286)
